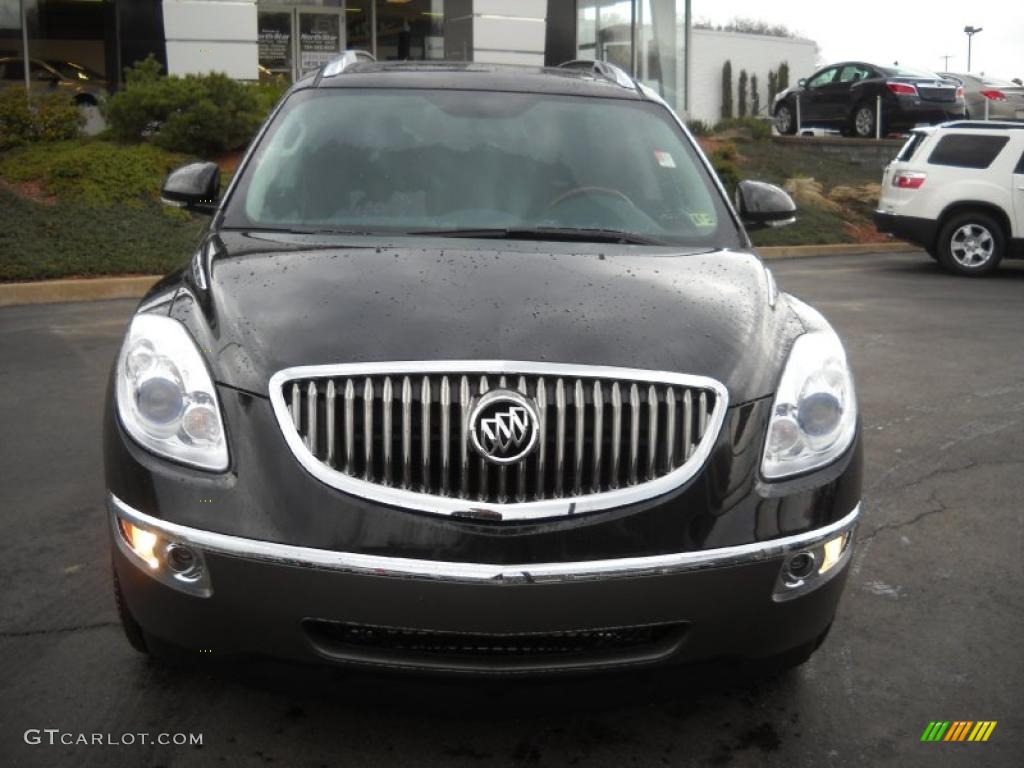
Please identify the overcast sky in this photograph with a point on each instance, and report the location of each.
(913, 32)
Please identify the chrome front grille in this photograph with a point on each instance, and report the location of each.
(397, 432)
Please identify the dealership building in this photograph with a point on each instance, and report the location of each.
(284, 39)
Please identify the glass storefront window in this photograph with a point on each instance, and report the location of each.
(647, 38)
(410, 29)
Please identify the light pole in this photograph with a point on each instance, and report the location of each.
(970, 32)
(945, 61)
(24, 48)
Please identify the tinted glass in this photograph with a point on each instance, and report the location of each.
(852, 73)
(910, 72)
(1020, 165)
(967, 151)
(910, 147)
(397, 161)
(824, 78)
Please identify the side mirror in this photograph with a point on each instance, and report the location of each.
(764, 205)
(195, 187)
(802, 82)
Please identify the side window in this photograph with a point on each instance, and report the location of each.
(852, 73)
(1020, 165)
(967, 151)
(910, 147)
(824, 78)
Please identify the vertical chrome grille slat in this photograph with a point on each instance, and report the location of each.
(687, 425)
(595, 434)
(598, 436)
(312, 395)
(670, 429)
(368, 428)
(464, 439)
(652, 432)
(542, 446)
(425, 398)
(579, 401)
(350, 427)
(387, 395)
(616, 434)
(297, 407)
(481, 491)
(406, 432)
(559, 436)
(521, 466)
(634, 431)
(446, 433)
(330, 417)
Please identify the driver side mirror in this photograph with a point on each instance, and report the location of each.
(194, 187)
(764, 205)
(802, 82)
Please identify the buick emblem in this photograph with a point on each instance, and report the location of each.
(504, 426)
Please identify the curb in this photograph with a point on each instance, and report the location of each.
(81, 289)
(104, 288)
(774, 252)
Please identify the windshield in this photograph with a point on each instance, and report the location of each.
(398, 161)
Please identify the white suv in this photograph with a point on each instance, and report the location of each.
(958, 191)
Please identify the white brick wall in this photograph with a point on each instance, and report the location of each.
(709, 50)
(211, 36)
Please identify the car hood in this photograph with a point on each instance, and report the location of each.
(258, 303)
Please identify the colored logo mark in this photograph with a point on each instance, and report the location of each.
(958, 730)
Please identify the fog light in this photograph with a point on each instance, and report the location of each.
(181, 559)
(142, 542)
(801, 566)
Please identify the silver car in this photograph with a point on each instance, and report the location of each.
(1004, 99)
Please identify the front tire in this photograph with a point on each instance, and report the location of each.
(785, 120)
(132, 631)
(971, 244)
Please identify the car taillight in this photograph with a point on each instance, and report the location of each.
(902, 89)
(909, 179)
(994, 95)
(960, 92)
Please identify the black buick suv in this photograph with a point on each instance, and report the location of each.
(475, 371)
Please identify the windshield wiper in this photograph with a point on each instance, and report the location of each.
(570, 234)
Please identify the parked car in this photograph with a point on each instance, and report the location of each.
(957, 190)
(453, 382)
(989, 97)
(845, 96)
(83, 85)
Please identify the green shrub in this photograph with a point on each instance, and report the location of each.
(759, 127)
(723, 159)
(698, 127)
(198, 114)
(93, 173)
(44, 117)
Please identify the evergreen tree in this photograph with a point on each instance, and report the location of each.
(783, 75)
(727, 90)
(773, 84)
(755, 97)
(741, 93)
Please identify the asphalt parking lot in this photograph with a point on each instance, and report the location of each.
(929, 629)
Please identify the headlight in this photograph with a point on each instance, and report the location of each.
(814, 415)
(165, 396)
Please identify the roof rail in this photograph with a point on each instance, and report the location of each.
(1006, 125)
(346, 59)
(603, 68)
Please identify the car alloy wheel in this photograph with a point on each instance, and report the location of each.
(972, 246)
(864, 122)
(784, 120)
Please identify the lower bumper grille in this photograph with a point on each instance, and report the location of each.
(409, 646)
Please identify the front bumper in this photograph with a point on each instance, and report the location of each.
(311, 604)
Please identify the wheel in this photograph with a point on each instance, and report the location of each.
(971, 244)
(132, 631)
(785, 120)
(864, 121)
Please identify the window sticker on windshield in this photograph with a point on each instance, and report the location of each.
(703, 219)
(665, 160)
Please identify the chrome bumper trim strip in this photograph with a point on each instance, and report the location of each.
(375, 565)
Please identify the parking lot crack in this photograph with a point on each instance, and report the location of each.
(937, 507)
(56, 630)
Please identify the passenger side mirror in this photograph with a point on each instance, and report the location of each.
(764, 205)
(194, 187)
(802, 82)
